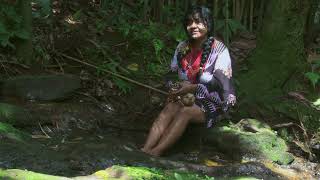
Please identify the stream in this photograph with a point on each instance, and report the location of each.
(81, 135)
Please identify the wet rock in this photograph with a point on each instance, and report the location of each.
(41, 88)
(250, 138)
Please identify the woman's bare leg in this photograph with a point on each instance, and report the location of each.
(160, 124)
(177, 127)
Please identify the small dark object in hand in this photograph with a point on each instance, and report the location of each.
(187, 99)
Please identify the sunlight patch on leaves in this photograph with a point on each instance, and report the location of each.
(317, 102)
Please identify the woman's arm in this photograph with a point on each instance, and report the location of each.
(223, 73)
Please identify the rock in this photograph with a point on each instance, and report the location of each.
(16, 174)
(250, 139)
(41, 88)
(244, 45)
(114, 172)
(247, 35)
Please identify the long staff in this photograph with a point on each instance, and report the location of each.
(114, 74)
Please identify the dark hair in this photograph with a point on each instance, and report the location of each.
(206, 17)
(204, 14)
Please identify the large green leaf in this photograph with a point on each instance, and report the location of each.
(45, 8)
(313, 77)
(4, 40)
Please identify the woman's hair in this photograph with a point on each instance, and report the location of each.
(205, 16)
(201, 12)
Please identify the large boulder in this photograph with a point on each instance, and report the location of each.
(41, 88)
(250, 138)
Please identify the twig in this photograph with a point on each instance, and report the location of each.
(120, 44)
(114, 74)
(54, 66)
(277, 126)
(4, 68)
(95, 101)
(15, 63)
(43, 131)
(58, 62)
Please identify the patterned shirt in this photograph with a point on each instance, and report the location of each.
(217, 70)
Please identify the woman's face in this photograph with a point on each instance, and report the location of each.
(196, 28)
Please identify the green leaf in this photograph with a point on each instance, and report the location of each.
(317, 102)
(3, 28)
(77, 15)
(22, 34)
(178, 176)
(158, 46)
(4, 40)
(123, 86)
(133, 67)
(313, 77)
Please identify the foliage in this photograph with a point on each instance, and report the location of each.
(314, 76)
(10, 25)
(44, 8)
(226, 25)
(112, 65)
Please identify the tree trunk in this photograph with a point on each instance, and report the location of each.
(279, 53)
(24, 47)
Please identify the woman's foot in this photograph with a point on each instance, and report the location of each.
(150, 152)
(145, 150)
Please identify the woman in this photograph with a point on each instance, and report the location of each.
(204, 66)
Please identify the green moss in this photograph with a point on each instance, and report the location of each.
(116, 173)
(17, 174)
(251, 138)
(244, 178)
(139, 173)
(10, 132)
(142, 173)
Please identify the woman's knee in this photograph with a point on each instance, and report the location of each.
(184, 114)
(171, 107)
(191, 114)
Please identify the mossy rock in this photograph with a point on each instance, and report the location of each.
(114, 173)
(14, 114)
(250, 138)
(41, 88)
(17, 174)
(9, 132)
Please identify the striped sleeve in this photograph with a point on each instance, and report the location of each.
(223, 61)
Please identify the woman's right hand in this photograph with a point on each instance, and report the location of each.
(185, 87)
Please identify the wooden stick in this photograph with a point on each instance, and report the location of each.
(114, 74)
(277, 126)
